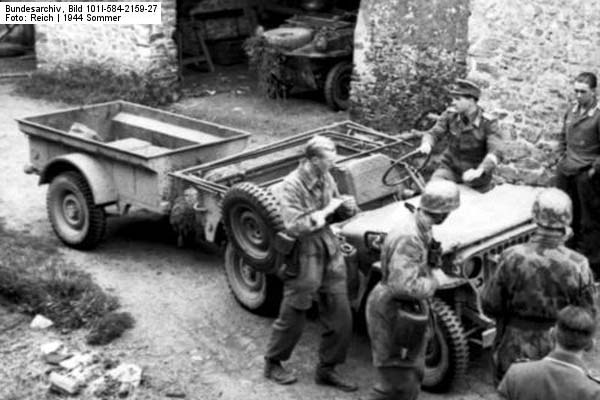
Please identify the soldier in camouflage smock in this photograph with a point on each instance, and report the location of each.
(533, 282)
(397, 308)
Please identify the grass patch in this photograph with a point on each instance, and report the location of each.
(110, 327)
(34, 276)
(94, 84)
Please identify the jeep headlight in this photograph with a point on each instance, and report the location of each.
(374, 241)
(472, 267)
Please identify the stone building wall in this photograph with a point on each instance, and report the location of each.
(148, 50)
(405, 51)
(526, 55)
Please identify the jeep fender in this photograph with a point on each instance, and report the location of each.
(99, 180)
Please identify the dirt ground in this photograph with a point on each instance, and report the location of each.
(190, 335)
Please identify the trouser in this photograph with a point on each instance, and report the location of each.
(584, 192)
(481, 184)
(397, 383)
(336, 319)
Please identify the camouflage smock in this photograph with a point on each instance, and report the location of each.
(532, 283)
(321, 265)
(406, 275)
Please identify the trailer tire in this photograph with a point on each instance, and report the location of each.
(337, 86)
(252, 218)
(447, 354)
(256, 291)
(289, 38)
(74, 217)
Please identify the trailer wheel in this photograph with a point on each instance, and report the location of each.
(256, 291)
(252, 218)
(337, 86)
(74, 217)
(447, 354)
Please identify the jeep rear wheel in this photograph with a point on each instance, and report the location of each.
(256, 291)
(74, 217)
(447, 353)
(337, 86)
(252, 218)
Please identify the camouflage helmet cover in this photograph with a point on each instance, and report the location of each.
(440, 196)
(552, 208)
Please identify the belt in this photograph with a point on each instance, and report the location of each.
(531, 324)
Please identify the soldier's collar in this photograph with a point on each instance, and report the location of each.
(567, 359)
(308, 175)
(591, 110)
(475, 121)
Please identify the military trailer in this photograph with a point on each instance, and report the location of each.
(92, 169)
(105, 159)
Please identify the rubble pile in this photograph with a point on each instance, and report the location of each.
(88, 374)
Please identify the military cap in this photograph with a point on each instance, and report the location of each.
(464, 87)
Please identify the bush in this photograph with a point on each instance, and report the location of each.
(34, 276)
(94, 84)
(110, 327)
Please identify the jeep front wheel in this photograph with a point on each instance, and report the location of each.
(256, 291)
(447, 353)
(74, 217)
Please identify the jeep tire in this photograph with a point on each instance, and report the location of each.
(256, 291)
(447, 354)
(74, 217)
(252, 218)
(337, 86)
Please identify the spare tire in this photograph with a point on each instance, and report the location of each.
(252, 218)
(289, 38)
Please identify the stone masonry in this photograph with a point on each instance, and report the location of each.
(524, 54)
(148, 50)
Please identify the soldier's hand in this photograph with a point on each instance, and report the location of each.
(349, 202)
(591, 172)
(319, 219)
(471, 174)
(424, 148)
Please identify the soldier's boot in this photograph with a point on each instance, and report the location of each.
(328, 376)
(274, 371)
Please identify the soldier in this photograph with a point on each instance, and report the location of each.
(578, 171)
(473, 139)
(308, 196)
(397, 308)
(533, 281)
(562, 374)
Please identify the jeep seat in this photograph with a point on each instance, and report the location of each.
(361, 178)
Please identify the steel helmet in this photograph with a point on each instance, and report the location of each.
(552, 208)
(440, 196)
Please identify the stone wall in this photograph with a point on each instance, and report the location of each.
(148, 50)
(405, 52)
(526, 55)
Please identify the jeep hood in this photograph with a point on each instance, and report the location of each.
(480, 215)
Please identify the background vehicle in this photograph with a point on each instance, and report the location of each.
(316, 54)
